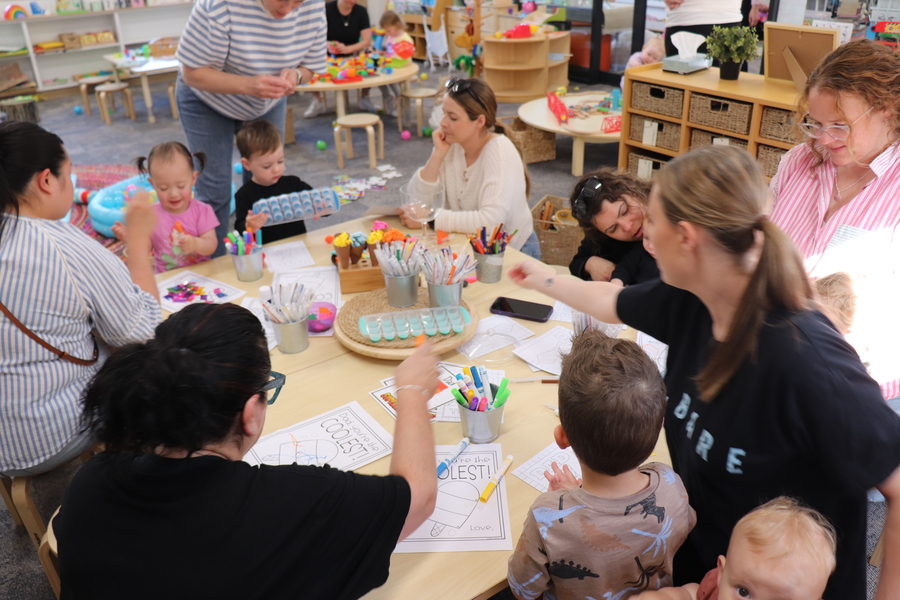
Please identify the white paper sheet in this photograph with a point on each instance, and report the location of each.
(561, 312)
(323, 280)
(479, 346)
(546, 350)
(286, 257)
(461, 523)
(254, 305)
(655, 349)
(209, 285)
(532, 472)
(345, 438)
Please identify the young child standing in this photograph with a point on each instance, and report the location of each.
(778, 551)
(262, 154)
(616, 535)
(185, 232)
(394, 33)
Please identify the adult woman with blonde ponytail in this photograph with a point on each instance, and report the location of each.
(765, 398)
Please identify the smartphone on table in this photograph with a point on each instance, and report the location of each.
(521, 309)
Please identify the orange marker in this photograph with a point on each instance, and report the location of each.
(178, 227)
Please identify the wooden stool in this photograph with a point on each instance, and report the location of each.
(367, 120)
(419, 95)
(85, 82)
(48, 554)
(106, 91)
(172, 101)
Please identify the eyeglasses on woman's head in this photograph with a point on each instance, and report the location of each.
(277, 382)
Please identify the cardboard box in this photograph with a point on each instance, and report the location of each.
(11, 76)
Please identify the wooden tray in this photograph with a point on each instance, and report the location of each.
(346, 327)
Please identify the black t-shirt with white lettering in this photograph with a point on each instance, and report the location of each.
(802, 419)
(147, 527)
(346, 29)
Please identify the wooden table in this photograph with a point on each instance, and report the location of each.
(154, 66)
(537, 114)
(528, 426)
(397, 76)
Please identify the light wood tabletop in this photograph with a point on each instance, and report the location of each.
(396, 76)
(327, 375)
(154, 66)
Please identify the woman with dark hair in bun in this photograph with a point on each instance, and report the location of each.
(170, 510)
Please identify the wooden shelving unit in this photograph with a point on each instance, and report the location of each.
(519, 70)
(416, 24)
(688, 111)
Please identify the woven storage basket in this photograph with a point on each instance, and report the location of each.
(534, 144)
(769, 157)
(634, 163)
(721, 113)
(657, 99)
(777, 124)
(559, 241)
(700, 138)
(668, 135)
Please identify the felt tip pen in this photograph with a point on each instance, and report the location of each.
(482, 404)
(459, 397)
(445, 464)
(470, 383)
(486, 384)
(477, 379)
(495, 480)
(470, 394)
(500, 400)
(503, 383)
(474, 404)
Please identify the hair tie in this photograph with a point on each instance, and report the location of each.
(760, 222)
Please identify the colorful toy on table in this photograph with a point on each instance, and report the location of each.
(308, 204)
(413, 323)
(14, 11)
(358, 241)
(442, 267)
(495, 244)
(400, 259)
(372, 242)
(378, 39)
(321, 316)
(474, 392)
(241, 244)
(557, 107)
(520, 31)
(393, 235)
(380, 226)
(341, 245)
(189, 291)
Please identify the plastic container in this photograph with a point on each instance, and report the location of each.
(413, 323)
(402, 292)
(292, 337)
(445, 295)
(249, 267)
(489, 267)
(298, 206)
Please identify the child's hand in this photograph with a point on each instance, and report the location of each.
(531, 274)
(119, 231)
(561, 478)
(420, 369)
(257, 220)
(188, 243)
(140, 218)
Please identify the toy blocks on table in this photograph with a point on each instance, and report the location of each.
(308, 204)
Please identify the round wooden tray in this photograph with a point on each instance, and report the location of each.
(346, 327)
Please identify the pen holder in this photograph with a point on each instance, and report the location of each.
(402, 291)
(444, 295)
(481, 427)
(292, 337)
(489, 267)
(249, 267)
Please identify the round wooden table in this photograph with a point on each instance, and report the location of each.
(537, 114)
(397, 76)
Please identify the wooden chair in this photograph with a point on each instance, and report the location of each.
(172, 101)
(84, 83)
(106, 92)
(364, 120)
(48, 554)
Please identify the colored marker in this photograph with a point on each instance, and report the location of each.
(503, 383)
(482, 404)
(535, 379)
(459, 397)
(179, 227)
(487, 384)
(477, 381)
(474, 403)
(495, 480)
(500, 400)
(470, 394)
(445, 464)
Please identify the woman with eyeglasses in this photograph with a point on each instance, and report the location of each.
(484, 179)
(170, 510)
(765, 397)
(844, 181)
(610, 207)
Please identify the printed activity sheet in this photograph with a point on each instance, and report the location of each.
(479, 345)
(323, 280)
(226, 293)
(286, 257)
(532, 472)
(655, 349)
(561, 312)
(460, 523)
(345, 438)
(545, 351)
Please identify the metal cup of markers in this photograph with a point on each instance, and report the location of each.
(249, 267)
(444, 295)
(402, 292)
(489, 267)
(481, 427)
(292, 337)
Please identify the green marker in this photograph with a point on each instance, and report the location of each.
(500, 399)
(459, 397)
(503, 383)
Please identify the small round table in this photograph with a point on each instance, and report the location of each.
(397, 76)
(537, 114)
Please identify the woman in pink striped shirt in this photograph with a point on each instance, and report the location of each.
(844, 181)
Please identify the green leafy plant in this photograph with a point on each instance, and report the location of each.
(732, 44)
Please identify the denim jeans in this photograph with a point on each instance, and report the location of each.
(532, 247)
(212, 133)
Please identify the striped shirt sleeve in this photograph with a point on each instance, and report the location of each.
(205, 40)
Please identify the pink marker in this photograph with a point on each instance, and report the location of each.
(482, 406)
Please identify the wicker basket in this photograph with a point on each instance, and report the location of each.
(559, 240)
(634, 164)
(769, 157)
(668, 135)
(534, 144)
(657, 99)
(721, 113)
(701, 138)
(777, 124)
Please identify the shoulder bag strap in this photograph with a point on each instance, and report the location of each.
(56, 351)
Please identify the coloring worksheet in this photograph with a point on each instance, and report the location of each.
(479, 345)
(286, 257)
(345, 438)
(546, 350)
(655, 349)
(460, 522)
(561, 312)
(172, 289)
(323, 280)
(532, 472)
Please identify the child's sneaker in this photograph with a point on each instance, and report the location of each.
(316, 108)
(366, 105)
(390, 106)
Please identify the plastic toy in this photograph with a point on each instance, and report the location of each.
(83, 196)
(519, 31)
(14, 11)
(558, 108)
(529, 7)
(238, 168)
(298, 206)
(405, 135)
(321, 316)
(321, 145)
(78, 110)
(424, 76)
(36, 9)
(426, 131)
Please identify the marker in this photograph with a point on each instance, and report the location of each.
(477, 381)
(534, 379)
(445, 464)
(470, 394)
(487, 384)
(503, 383)
(474, 404)
(459, 397)
(179, 227)
(500, 400)
(495, 480)
(482, 404)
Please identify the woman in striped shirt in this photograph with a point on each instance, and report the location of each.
(240, 59)
(60, 291)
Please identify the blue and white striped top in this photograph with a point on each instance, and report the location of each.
(240, 37)
(61, 284)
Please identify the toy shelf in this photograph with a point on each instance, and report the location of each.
(519, 70)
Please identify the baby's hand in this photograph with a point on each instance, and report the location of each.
(119, 231)
(561, 478)
(188, 243)
(257, 220)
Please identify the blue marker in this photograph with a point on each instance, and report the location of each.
(477, 381)
(445, 464)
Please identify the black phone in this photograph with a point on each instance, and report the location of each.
(521, 309)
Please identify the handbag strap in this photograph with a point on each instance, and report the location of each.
(56, 351)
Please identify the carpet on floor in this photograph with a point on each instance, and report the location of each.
(97, 177)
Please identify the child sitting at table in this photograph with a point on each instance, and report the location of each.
(262, 154)
(185, 231)
(617, 533)
(395, 32)
(778, 550)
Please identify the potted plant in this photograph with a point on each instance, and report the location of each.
(731, 46)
